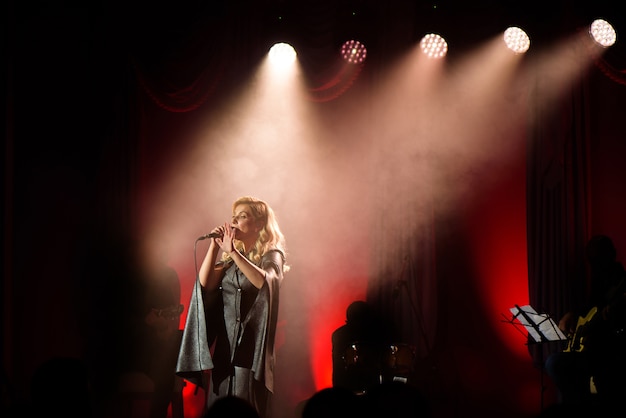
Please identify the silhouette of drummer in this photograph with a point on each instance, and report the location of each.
(356, 348)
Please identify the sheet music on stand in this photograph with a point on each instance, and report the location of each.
(540, 327)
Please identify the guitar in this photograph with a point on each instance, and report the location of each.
(578, 340)
(617, 326)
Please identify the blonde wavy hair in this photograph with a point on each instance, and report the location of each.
(270, 236)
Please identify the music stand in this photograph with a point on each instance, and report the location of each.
(540, 327)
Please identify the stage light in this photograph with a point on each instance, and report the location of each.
(516, 40)
(353, 51)
(282, 53)
(434, 46)
(603, 33)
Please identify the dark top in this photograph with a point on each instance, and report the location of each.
(606, 334)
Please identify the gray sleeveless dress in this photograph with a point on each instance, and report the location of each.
(238, 322)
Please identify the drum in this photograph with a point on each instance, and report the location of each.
(361, 355)
(399, 359)
(362, 367)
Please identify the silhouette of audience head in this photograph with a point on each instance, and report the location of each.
(396, 400)
(231, 406)
(388, 400)
(60, 386)
(332, 402)
(593, 408)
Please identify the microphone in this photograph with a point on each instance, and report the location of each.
(211, 235)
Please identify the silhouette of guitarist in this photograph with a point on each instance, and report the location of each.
(596, 353)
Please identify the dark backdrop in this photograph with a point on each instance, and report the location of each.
(77, 80)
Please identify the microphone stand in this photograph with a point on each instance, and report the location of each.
(431, 364)
(403, 283)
